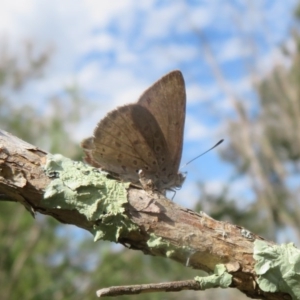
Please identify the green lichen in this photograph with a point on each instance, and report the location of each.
(77, 186)
(160, 245)
(278, 267)
(221, 278)
(155, 242)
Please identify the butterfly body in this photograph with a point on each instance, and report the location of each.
(142, 142)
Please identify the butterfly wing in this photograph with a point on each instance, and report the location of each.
(144, 136)
(166, 100)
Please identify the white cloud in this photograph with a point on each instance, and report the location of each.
(160, 21)
(101, 12)
(201, 16)
(102, 41)
(214, 187)
(242, 85)
(194, 129)
(198, 93)
(11, 14)
(233, 49)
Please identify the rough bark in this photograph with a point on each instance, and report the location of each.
(161, 226)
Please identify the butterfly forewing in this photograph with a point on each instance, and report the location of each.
(166, 100)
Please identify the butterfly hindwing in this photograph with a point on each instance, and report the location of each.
(127, 140)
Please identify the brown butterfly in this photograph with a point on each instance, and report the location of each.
(142, 142)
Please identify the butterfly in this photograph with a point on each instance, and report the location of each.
(142, 142)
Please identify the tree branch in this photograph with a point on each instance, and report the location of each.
(78, 194)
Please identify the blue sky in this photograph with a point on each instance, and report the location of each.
(114, 50)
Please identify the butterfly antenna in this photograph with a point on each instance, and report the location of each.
(216, 145)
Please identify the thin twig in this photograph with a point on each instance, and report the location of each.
(173, 286)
